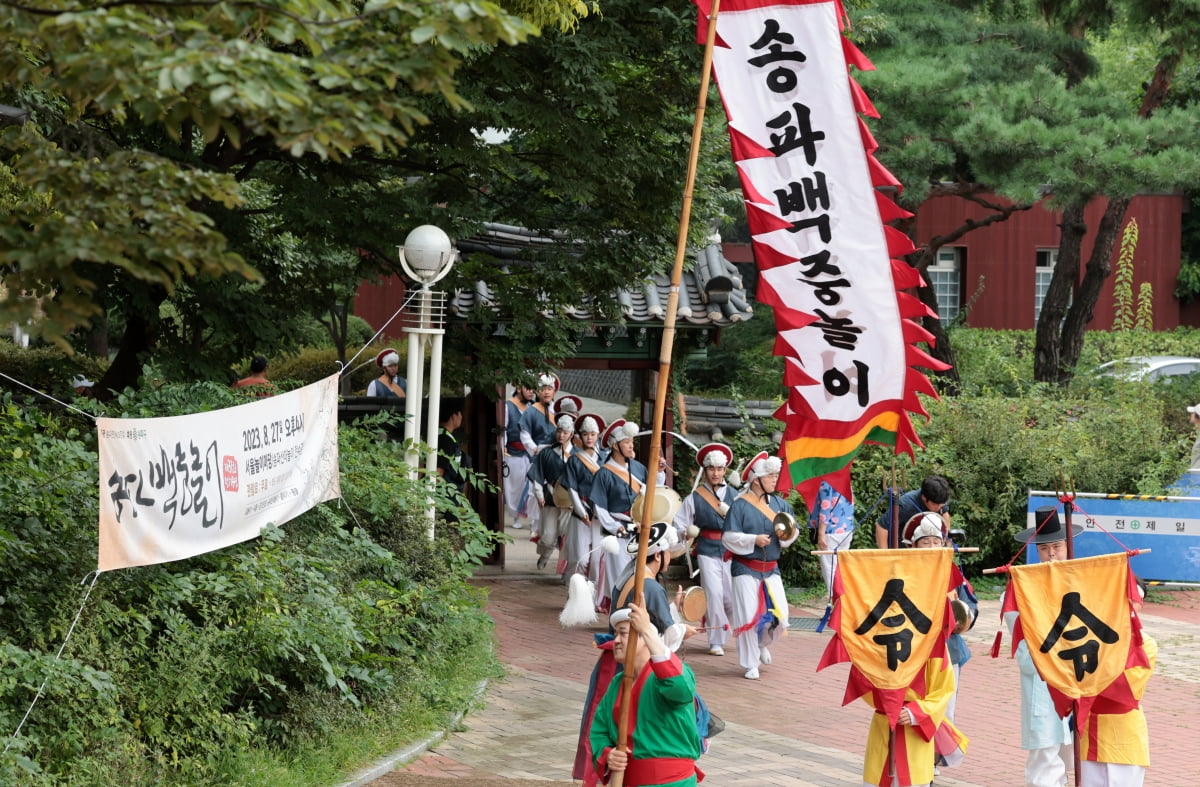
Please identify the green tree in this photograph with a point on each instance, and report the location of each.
(147, 121)
(1006, 99)
(292, 150)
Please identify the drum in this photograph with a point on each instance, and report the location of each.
(694, 605)
(562, 496)
(962, 615)
(664, 508)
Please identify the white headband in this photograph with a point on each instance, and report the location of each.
(716, 459)
(546, 380)
(626, 431)
(768, 466)
(566, 422)
(389, 359)
(588, 425)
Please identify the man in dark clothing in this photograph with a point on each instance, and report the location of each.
(934, 495)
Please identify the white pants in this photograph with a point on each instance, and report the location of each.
(583, 543)
(746, 592)
(515, 470)
(1110, 774)
(718, 591)
(554, 522)
(615, 564)
(954, 697)
(836, 542)
(1049, 767)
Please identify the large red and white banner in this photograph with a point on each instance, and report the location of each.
(828, 265)
(171, 488)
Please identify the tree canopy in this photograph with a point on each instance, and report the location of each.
(1010, 99)
(203, 174)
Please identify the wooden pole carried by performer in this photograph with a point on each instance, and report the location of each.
(664, 377)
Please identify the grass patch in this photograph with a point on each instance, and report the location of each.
(808, 596)
(346, 739)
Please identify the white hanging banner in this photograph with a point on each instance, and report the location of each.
(828, 264)
(171, 488)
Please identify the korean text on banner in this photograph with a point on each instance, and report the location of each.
(827, 264)
(171, 488)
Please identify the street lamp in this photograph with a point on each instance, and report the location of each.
(427, 257)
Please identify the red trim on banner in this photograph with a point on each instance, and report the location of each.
(749, 190)
(862, 104)
(761, 222)
(868, 139)
(888, 209)
(790, 319)
(767, 256)
(898, 243)
(855, 57)
(914, 332)
(905, 275)
(794, 374)
(880, 176)
(745, 148)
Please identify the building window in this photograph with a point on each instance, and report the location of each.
(944, 277)
(1046, 260)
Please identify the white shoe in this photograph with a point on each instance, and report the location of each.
(752, 674)
(716, 650)
(517, 525)
(764, 655)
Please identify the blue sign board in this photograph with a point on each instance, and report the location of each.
(1168, 526)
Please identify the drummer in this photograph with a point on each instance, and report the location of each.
(705, 509)
(618, 483)
(750, 536)
(583, 531)
(546, 476)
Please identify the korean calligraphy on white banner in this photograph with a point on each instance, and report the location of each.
(827, 264)
(171, 488)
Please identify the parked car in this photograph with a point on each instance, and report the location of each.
(1148, 368)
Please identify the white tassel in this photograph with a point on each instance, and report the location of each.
(580, 609)
(611, 545)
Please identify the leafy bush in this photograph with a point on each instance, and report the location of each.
(172, 669)
(47, 369)
(1005, 435)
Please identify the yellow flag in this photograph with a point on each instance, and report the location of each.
(1075, 616)
(892, 611)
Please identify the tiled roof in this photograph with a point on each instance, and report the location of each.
(711, 292)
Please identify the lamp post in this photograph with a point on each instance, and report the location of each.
(426, 256)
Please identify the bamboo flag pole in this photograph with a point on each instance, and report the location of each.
(664, 376)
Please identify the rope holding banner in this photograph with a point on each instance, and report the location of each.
(95, 575)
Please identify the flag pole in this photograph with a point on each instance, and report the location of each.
(664, 377)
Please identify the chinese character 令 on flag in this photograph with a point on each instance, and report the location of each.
(1077, 620)
(890, 617)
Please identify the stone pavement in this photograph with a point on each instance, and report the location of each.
(789, 728)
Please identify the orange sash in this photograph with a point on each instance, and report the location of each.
(707, 495)
(623, 474)
(760, 502)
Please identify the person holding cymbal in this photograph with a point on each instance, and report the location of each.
(760, 610)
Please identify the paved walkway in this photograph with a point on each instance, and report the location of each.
(789, 728)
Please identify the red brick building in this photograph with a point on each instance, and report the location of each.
(1003, 269)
